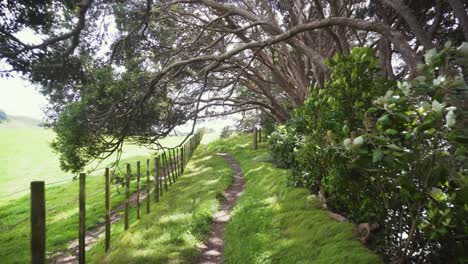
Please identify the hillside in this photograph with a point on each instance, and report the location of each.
(11, 121)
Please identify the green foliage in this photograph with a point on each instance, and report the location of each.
(268, 125)
(284, 143)
(95, 125)
(389, 153)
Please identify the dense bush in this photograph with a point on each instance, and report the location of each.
(284, 142)
(387, 152)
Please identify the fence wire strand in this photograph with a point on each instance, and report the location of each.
(13, 193)
(10, 227)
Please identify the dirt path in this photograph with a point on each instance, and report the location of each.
(71, 254)
(212, 250)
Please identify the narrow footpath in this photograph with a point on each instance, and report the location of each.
(212, 250)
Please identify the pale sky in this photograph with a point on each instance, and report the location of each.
(20, 97)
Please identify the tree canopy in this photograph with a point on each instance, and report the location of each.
(114, 70)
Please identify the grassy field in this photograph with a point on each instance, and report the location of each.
(25, 156)
(61, 217)
(274, 223)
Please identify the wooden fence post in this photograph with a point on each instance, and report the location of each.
(193, 147)
(164, 168)
(160, 172)
(182, 165)
(138, 190)
(38, 223)
(167, 175)
(127, 195)
(156, 181)
(176, 168)
(184, 156)
(107, 207)
(172, 168)
(82, 224)
(190, 148)
(148, 186)
(177, 159)
(255, 138)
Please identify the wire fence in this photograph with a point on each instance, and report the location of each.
(164, 169)
(11, 227)
(14, 193)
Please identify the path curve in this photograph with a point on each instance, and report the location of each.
(213, 248)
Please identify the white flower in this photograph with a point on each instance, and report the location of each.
(439, 80)
(450, 118)
(463, 49)
(436, 106)
(357, 142)
(347, 142)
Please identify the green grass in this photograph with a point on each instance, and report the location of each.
(273, 223)
(61, 216)
(25, 156)
(178, 223)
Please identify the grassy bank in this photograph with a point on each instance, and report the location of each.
(178, 223)
(273, 223)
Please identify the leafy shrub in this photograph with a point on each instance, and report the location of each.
(284, 142)
(387, 153)
(268, 125)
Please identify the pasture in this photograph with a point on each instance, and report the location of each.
(25, 156)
